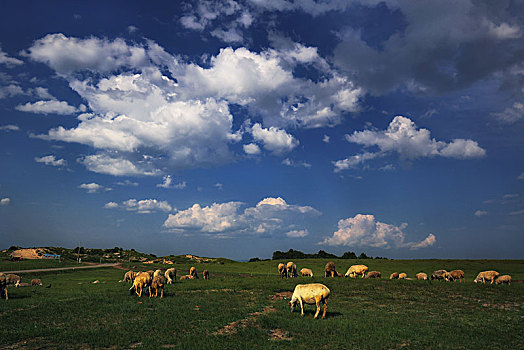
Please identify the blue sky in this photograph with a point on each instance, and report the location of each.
(237, 128)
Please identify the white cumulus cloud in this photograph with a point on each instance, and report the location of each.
(93, 187)
(365, 231)
(5, 201)
(143, 206)
(480, 213)
(51, 160)
(140, 98)
(270, 216)
(48, 107)
(275, 140)
(9, 61)
(404, 138)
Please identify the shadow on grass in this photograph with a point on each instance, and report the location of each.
(329, 314)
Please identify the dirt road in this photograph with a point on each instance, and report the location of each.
(116, 265)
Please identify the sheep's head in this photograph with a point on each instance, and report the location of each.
(292, 304)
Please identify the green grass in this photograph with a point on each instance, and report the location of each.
(362, 314)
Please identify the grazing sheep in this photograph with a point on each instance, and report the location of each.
(170, 275)
(282, 270)
(503, 279)
(158, 273)
(3, 287)
(313, 293)
(205, 274)
(374, 274)
(440, 275)
(306, 272)
(193, 272)
(402, 276)
(187, 277)
(457, 275)
(130, 276)
(13, 279)
(394, 276)
(36, 282)
(151, 273)
(143, 280)
(291, 269)
(156, 284)
(329, 270)
(357, 270)
(486, 276)
(422, 276)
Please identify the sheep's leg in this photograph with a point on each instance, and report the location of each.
(301, 307)
(318, 308)
(162, 293)
(325, 309)
(139, 294)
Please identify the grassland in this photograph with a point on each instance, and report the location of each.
(244, 306)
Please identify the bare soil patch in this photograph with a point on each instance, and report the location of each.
(29, 253)
(281, 295)
(249, 320)
(279, 334)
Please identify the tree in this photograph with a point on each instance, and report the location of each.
(349, 255)
(363, 256)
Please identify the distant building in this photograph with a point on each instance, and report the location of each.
(50, 256)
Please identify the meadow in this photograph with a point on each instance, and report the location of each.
(245, 306)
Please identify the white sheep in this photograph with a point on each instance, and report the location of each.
(357, 270)
(170, 275)
(313, 293)
(306, 272)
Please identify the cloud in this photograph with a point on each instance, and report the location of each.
(127, 183)
(143, 101)
(434, 48)
(251, 149)
(5, 201)
(43, 93)
(9, 61)
(520, 177)
(275, 140)
(365, 231)
(480, 213)
(354, 161)
(297, 233)
(427, 242)
(111, 205)
(48, 107)
(51, 160)
(270, 216)
(511, 114)
(94, 187)
(10, 91)
(144, 206)
(518, 212)
(296, 164)
(167, 182)
(404, 138)
(67, 55)
(9, 127)
(326, 139)
(106, 164)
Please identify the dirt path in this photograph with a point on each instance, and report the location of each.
(115, 265)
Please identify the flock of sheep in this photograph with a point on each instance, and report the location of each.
(290, 270)
(155, 280)
(317, 293)
(13, 280)
(312, 293)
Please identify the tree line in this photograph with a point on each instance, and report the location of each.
(297, 254)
